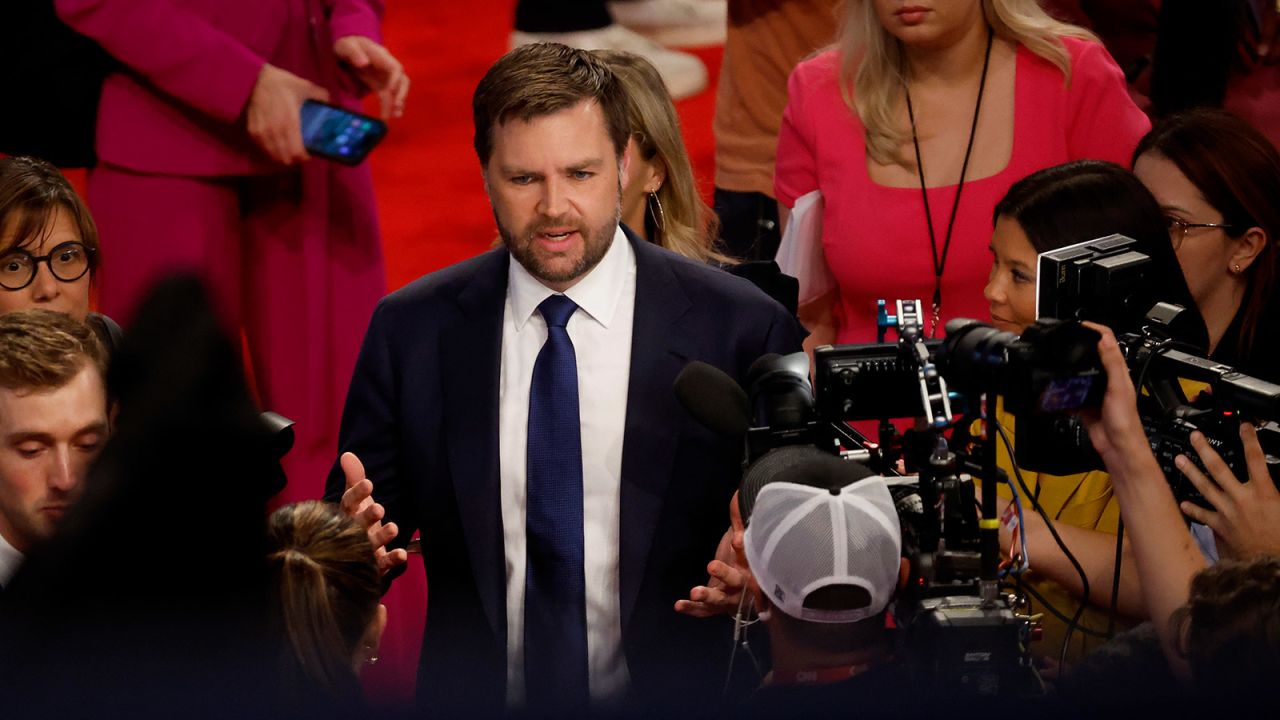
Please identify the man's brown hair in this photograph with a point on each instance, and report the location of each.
(43, 350)
(538, 80)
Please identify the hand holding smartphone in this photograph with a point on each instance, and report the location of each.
(338, 134)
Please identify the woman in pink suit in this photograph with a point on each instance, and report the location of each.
(201, 167)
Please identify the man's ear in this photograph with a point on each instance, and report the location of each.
(759, 599)
(1248, 247)
(624, 161)
(904, 574)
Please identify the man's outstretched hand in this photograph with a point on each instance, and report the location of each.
(728, 574)
(358, 503)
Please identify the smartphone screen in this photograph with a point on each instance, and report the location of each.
(339, 134)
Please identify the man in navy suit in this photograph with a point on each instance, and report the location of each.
(522, 416)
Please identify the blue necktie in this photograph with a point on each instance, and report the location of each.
(555, 608)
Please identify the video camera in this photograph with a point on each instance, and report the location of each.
(964, 637)
(1053, 367)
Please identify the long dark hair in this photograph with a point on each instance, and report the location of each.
(1237, 170)
(1082, 200)
(1088, 199)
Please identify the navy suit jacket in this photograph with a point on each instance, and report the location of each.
(422, 414)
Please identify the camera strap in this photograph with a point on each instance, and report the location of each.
(940, 262)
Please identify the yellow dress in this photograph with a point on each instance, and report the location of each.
(1083, 500)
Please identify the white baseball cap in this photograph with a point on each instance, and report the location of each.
(802, 538)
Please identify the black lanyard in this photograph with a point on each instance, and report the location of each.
(940, 263)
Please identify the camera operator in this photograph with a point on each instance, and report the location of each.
(1047, 210)
(823, 544)
(1216, 179)
(1165, 556)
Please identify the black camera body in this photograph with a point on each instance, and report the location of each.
(958, 631)
(1169, 416)
(1104, 280)
(1108, 281)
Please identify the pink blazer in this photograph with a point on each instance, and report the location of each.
(187, 69)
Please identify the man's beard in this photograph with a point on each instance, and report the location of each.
(595, 244)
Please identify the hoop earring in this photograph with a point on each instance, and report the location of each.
(660, 217)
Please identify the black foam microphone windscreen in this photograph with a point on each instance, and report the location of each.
(714, 399)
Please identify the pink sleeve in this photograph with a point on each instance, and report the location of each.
(1103, 123)
(356, 17)
(174, 49)
(796, 170)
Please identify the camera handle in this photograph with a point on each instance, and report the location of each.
(934, 397)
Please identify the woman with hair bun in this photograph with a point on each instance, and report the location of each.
(327, 592)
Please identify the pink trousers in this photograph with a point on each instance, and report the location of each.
(293, 261)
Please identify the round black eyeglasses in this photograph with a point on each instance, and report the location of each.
(68, 262)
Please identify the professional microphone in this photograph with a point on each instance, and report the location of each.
(714, 399)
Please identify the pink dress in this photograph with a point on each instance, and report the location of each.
(875, 239)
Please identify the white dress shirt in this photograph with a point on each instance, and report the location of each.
(10, 559)
(601, 333)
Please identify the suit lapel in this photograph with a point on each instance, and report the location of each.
(658, 353)
(472, 358)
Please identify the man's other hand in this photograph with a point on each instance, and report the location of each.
(357, 502)
(728, 574)
(1246, 516)
(274, 113)
(379, 70)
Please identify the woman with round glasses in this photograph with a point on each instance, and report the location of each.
(48, 244)
(1217, 180)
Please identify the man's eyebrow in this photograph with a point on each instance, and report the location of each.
(21, 436)
(587, 164)
(99, 427)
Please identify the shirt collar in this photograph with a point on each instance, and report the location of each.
(10, 559)
(597, 293)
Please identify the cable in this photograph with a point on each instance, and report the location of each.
(1084, 578)
(746, 607)
(1115, 580)
(1021, 586)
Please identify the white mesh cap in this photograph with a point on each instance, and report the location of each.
(801, 539)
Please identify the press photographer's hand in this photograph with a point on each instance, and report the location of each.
(1246, 516)
(1116, 429)
(728, 574)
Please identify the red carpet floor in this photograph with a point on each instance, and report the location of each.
(434, 211)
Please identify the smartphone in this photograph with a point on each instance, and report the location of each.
(339, 134)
